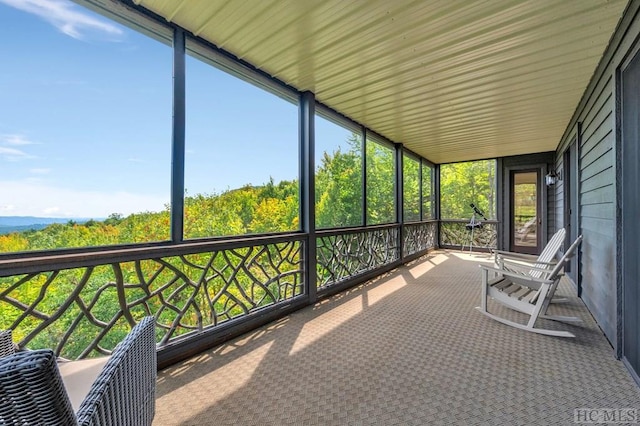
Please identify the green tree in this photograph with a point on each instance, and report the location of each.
(411, 189)
(462, 184)
(339, 187)
(427, 193)
(380, 184)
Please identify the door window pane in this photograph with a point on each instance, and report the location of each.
(524, 209)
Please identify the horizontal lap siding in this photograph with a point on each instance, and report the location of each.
(598, 211)
(597, 177)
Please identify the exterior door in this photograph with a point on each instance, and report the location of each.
(630, 250)
(525, 215)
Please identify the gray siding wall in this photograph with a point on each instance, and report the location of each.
(597, 178)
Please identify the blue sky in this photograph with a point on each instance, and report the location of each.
(85, 119)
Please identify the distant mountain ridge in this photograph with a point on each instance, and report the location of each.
(10, 224)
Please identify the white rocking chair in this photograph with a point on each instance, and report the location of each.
(504, 259)
(528, 290)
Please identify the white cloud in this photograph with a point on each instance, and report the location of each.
(8, 143)
(12, 154)
(51, 210)
(66, 17)
(35, 199)
(34, 180)
(69, 82)
(7, 208)
(12, 151)
(15, 140)
(39, 171)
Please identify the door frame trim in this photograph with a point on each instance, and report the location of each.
(539, 212)
(506, 207)
(571, 177)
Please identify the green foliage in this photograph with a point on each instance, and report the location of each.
(524, 203)
(113, 219)
(464, 183)
(339, 187)
(411, 189)
(247, 210)
(272, 207)
(427, 204)
(380, 184)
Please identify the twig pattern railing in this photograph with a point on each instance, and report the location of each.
(348, 253)
(454, 233)
(419, 237)
(86, 310)
(82, 302)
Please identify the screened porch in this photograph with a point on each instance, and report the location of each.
(329, 176)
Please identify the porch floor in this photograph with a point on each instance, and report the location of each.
(405, 349)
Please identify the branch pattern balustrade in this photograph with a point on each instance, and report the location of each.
(454, 233)
(419, 237)
(83, 311)
(344, 254)
(82, 302)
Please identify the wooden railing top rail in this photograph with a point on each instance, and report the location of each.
(355, 229)
(494, 221)
(21, 263)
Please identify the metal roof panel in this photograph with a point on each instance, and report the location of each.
(451, 80)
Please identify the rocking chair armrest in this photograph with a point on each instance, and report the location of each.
(500, 259)
(529, 265)
(534, 261)
(524, 269)
(507, 254)
(516, 275)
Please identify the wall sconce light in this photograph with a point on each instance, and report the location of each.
(551, 178)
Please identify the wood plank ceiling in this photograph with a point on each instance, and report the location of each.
(452, 80)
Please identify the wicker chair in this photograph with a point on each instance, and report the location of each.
(6, 343)
(32, 391)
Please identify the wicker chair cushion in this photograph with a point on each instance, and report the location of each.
(79, 376)
(124, 392)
